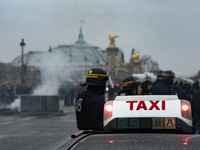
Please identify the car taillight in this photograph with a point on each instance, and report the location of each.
(186, 109)
(108, 110)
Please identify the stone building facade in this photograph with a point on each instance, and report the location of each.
(76, 58)
(12, 74)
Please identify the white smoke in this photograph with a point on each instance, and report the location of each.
(16, 105)
(54, 69)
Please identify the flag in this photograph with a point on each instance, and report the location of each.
(82, 21)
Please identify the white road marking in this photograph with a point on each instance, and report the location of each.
(9, 122)
(27, 118)
(3, 123)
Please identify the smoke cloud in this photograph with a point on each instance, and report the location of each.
(54, 70)
(16, 105)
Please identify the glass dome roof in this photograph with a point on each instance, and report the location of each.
(78, 54)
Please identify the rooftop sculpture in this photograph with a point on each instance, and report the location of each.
(112, 41)
(135, 56)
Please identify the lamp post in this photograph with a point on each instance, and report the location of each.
(70, 60)
(22, 44)
(85, 58)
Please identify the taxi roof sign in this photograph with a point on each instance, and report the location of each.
(151, 112)
(147, 97)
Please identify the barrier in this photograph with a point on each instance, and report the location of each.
(33, 104)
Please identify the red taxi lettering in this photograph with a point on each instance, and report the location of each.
(154, 105)
(163, 105)
(131, 104)
(142, 105)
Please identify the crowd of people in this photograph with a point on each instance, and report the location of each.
(89, 104)
(69, 91)
(90, 99)
(8, 92)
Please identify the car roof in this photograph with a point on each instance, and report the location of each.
(131, 141)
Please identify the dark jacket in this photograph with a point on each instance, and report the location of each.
(183, 93)
(89, 109)
(196, 104)
(159, 88)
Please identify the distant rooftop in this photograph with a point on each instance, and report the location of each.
(77, 54)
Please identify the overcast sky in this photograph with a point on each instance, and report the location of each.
(167, 30)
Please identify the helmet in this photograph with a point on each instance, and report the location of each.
(148, 80)
(186, 84)
(96, 76)
(130, 83)
(196, 82)
(168, 76)
(159, 75)
(145, 85)
(180, 82)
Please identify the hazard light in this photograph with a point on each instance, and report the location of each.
(108, 110)
(186, 109)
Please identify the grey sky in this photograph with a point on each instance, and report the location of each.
(168, 30)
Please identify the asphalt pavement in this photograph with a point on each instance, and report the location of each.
(25, 132)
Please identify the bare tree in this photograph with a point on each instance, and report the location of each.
(148, 65)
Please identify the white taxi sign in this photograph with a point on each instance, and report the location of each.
(147, 97)
(146, 106)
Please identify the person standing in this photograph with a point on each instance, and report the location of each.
(196, 114)
(131, 85)
(158, 84)
(90, 103)
(10, 91)
(4, 94)
(164, 86)
(110, 92)
(184, 91)
(24, 89)
(193, 90)
(147, 86)
(18, 89)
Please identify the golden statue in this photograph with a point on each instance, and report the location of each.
(135, 56)
(112, 41)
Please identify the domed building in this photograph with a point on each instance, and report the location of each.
(76, 54)
(75, 59)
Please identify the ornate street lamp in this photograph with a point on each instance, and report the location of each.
(70, 60)
(85, 58)
(70, 56)
(22, 44)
